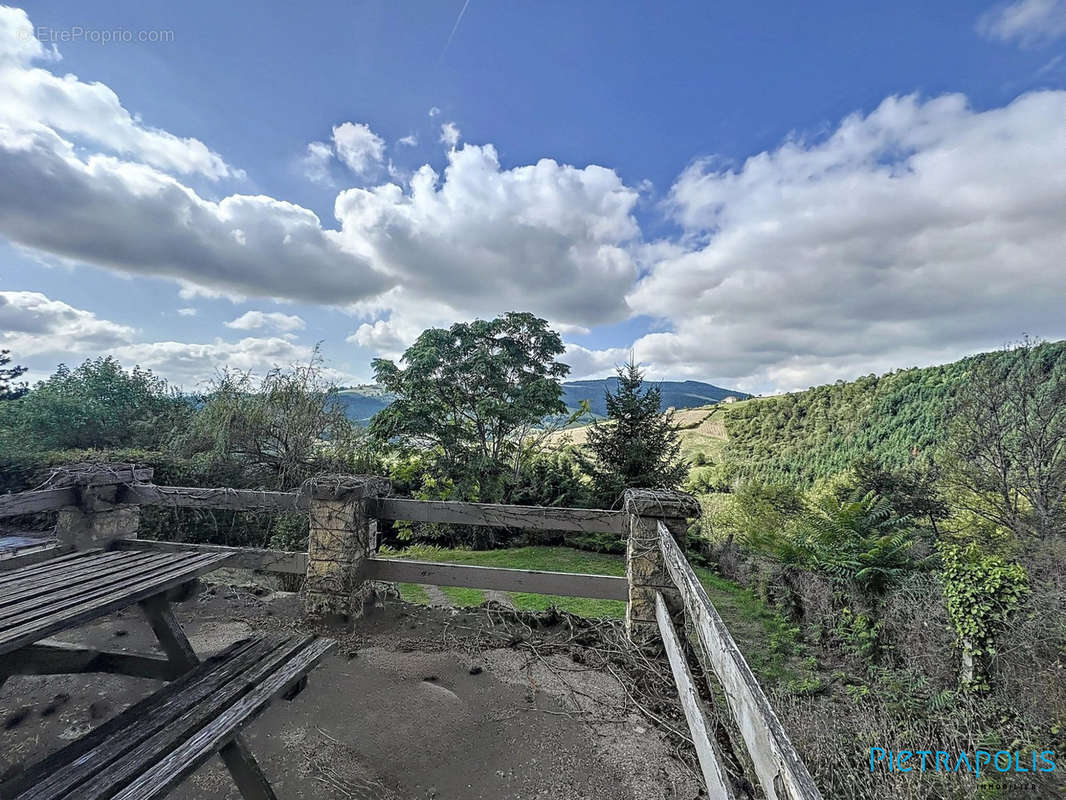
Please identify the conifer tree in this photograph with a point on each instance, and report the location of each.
(637, 446)
(9, 389)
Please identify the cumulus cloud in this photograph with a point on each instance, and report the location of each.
(32, 323)
(89, 111)
(434, 112)
(253, 320)
(914, 234)
(449, 134)
(187, 312)
(408, 141)
(358, 147)
(1025, 22)
(136, 219)
(549, 238)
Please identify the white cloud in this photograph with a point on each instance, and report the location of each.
(32, 323)
(316, 162)
(589, 364)
(1025, 22)
(252, 320)
(433, 112)
(548, 238)
(915, 234)
(135, 219)
(449, 134)
(358, 147)
(191, 364)
(91, 111)
(187, 312)
(408, 141)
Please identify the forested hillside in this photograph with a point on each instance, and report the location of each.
(896, 418)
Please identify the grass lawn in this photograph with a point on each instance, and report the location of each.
(769, 643)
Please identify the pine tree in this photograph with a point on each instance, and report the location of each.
(9, 390)
(637, 446)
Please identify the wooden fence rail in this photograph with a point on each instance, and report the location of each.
(779, 768)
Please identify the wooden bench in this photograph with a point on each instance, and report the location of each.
(151, 747)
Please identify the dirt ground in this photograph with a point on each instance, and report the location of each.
(415, 703)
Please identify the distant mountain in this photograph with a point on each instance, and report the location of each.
(362, 402)
(675, 394)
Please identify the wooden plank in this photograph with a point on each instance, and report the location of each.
(192, 753)
(242, 557)
(779, 768)
(499, 516)
(33, 502)
(714, 772)
(93, 474)
(144, 760)
(29, 604)
(58, 658)
(9, 564)
(105, 604)
(568, 584)
(49, 587)
(194, 497)
(79, 761)
(38, 568)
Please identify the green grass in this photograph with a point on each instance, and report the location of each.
(770, 644)
(461, 596)
(413, 593)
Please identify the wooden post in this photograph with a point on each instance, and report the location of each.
(339, 542)
(99, 518)
(645, 569)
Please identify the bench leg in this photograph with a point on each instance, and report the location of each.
(245, 771)
(168, 630)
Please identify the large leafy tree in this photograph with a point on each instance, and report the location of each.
(97, 405)
(9, 390)
(638, 445)
(473, 395)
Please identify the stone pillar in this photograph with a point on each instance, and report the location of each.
(340, 539)
(645, 567)
(100, 517)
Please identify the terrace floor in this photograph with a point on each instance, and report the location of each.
(415, 703)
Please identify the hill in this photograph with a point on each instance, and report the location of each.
(675, 394)
(803, 436)
(896, 418)
(362, 402)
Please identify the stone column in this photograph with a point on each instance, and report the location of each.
(100, 517)
(340, 539)
(645, 567)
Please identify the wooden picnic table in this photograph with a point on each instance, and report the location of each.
(66, 592)
(152, 746)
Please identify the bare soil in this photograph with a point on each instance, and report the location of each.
(414, 703)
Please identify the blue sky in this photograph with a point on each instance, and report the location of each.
(762, 195)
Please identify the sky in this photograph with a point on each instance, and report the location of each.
(765, 196)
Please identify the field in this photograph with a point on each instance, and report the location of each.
(702, 430)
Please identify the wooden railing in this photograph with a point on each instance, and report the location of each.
(387, 508)
(779, 768)
(660, 588)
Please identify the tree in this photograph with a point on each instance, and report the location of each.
(279, 430)
(474, 395)
(637, 446)
(912, 491)
(97, 405)
(9, 390)
(1007, 446)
